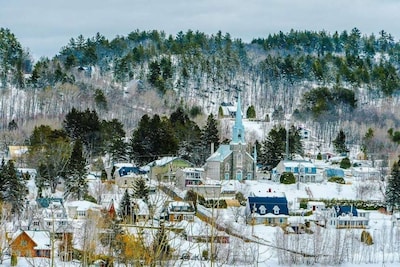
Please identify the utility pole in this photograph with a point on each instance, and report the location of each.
(287, 138)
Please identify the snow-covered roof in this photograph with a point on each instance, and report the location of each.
(292, 163)
(222, 152)
(41, 238)
(83, 205)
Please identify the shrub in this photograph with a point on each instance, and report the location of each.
(336, 179)
(303, 203)
(345, 163)
(240, 197)
(204, 254)
(14, 259)
(366, 238)
(287, 178)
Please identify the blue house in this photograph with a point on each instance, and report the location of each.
(269, 209)
(129, 170)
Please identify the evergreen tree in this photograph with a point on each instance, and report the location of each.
(100, 100)
(340, 143)
(393, 187)
(49, 152)
(125, 206)
(210, 135)
(140, 189)
(251, 112)
(13, 188)
(152, 138)
(273, 148)
(84, 126)
(187, 134)
(75, 182)
(112, 138)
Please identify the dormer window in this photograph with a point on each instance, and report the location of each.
(262, 209)
(276, 210)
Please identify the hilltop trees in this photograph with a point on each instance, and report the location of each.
(14, 61)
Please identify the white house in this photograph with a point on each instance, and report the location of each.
(81, 209)
(315, 205)
(304, 171)
(344, 217)
(365, 173)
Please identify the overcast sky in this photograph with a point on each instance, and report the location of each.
(44, 26)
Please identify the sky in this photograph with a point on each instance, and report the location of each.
(45, 26)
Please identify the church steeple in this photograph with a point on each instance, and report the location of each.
(238, 129)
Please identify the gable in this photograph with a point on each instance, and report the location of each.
(346, 210)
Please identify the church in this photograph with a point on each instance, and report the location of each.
(232, 161)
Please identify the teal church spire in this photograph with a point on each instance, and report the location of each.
(238, 129)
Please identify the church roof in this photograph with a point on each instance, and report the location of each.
(222, 152)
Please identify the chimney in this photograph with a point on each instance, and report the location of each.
(212, 148)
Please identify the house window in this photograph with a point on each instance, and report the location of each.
(24, 243)
(36, 223)
(125, 182)
(48, 223)
(81, 213)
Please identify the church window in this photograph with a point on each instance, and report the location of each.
(227, 176)
(239, 160)
(227, 167)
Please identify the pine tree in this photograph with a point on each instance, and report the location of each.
(75, 182)
(125, 206)
(140, 189)
(210, 135)
(340, 143)
(393, 187)
(13, 187)
(273, 148)
(251, 112)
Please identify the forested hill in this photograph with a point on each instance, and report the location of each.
(341, 78)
